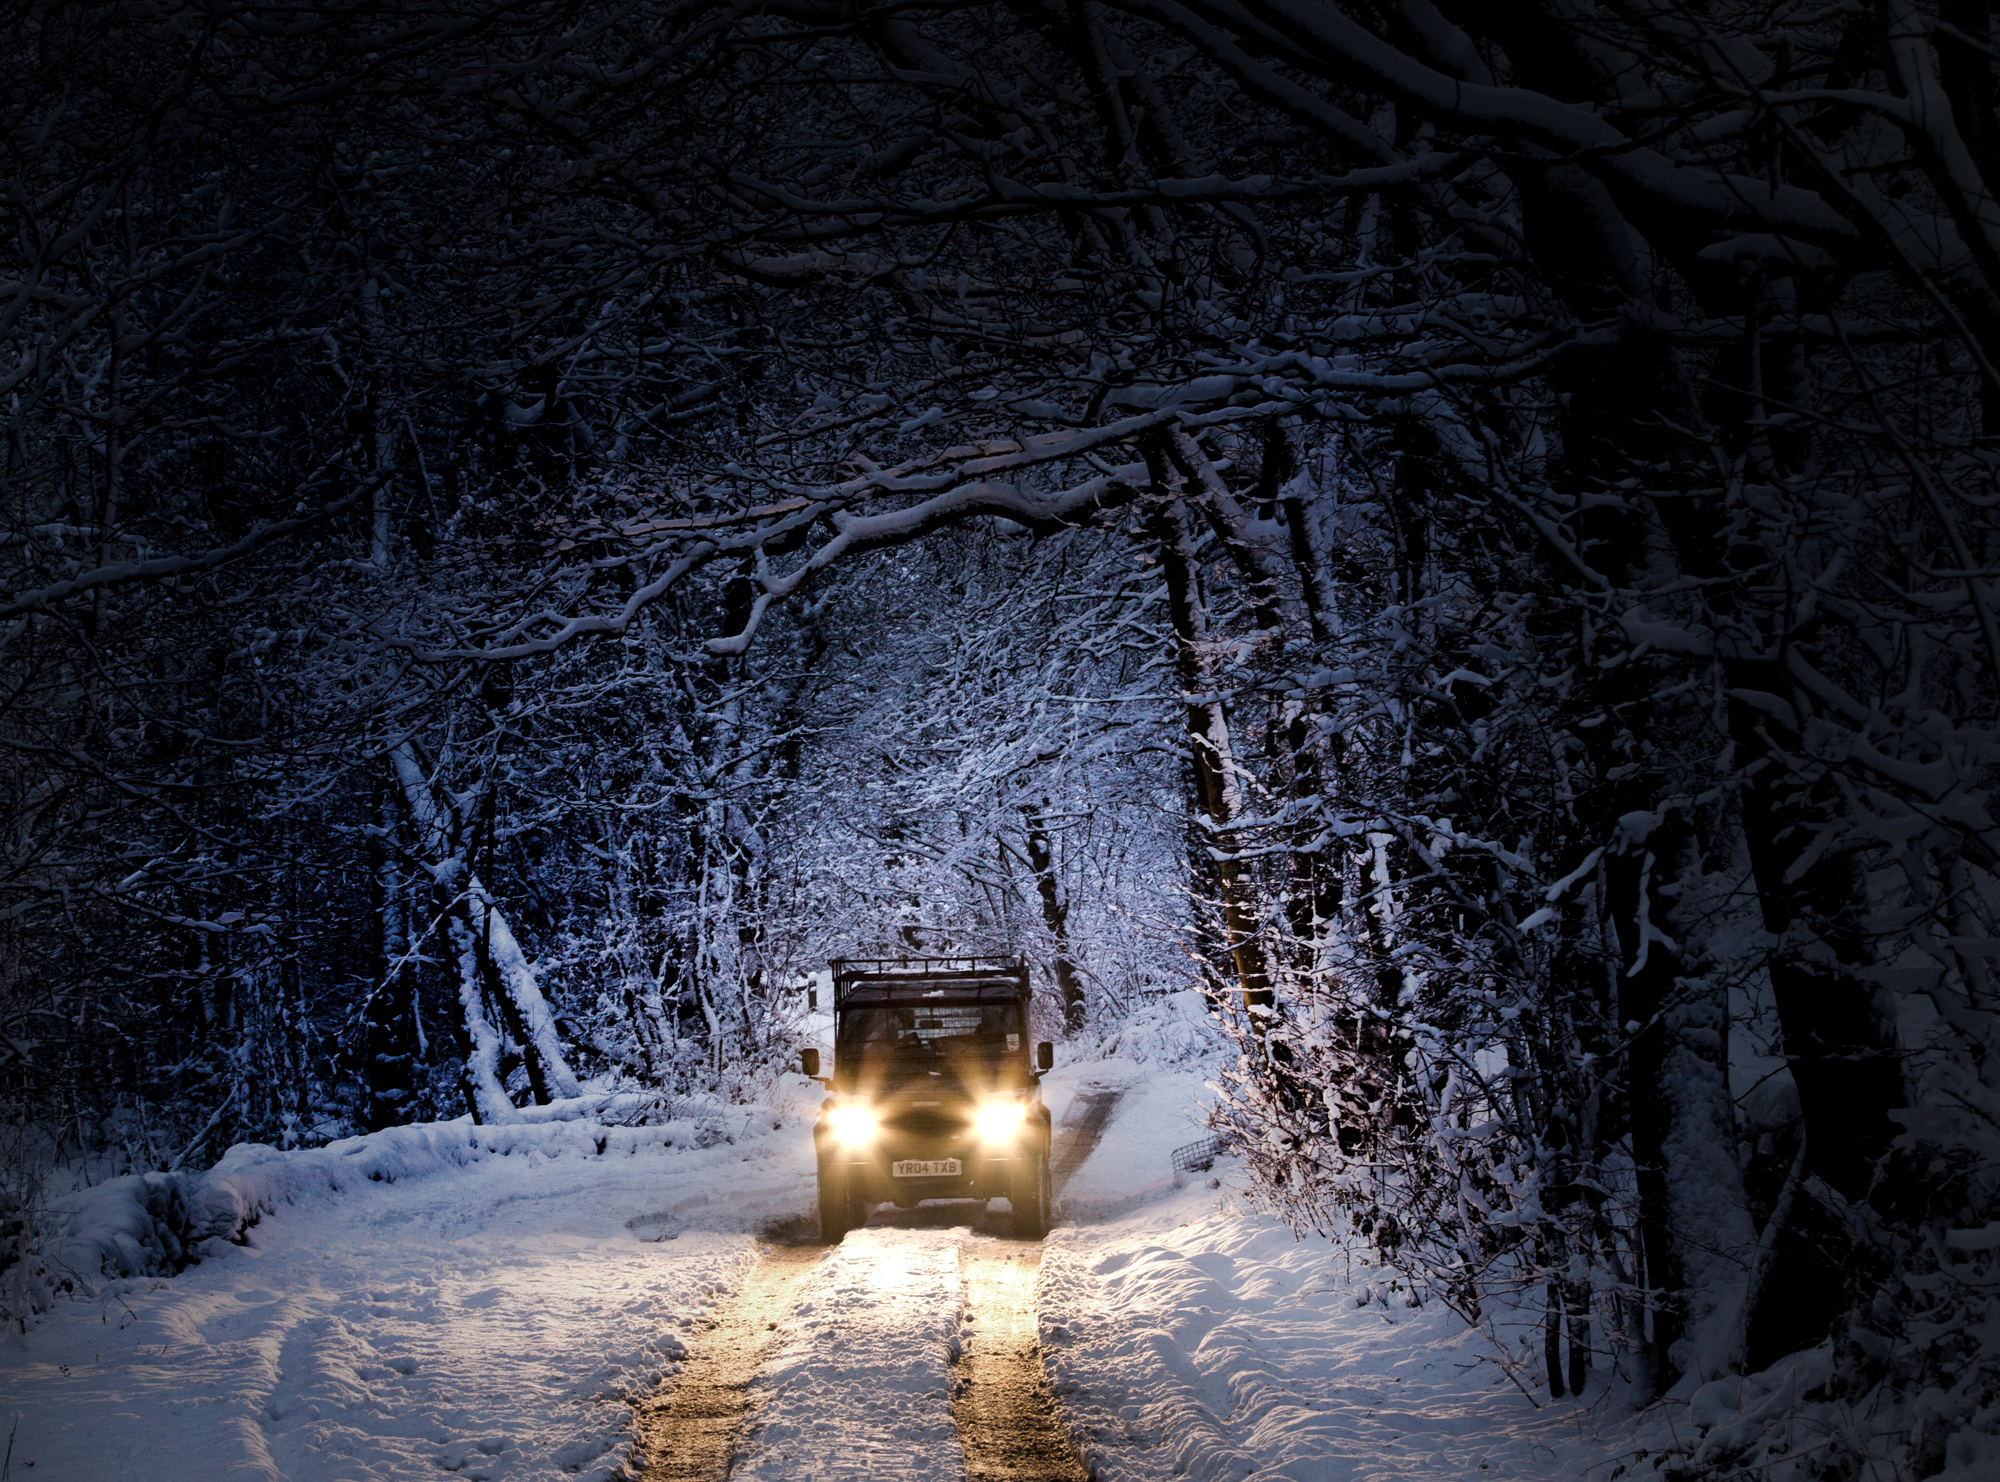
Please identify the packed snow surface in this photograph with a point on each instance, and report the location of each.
(857, 1383)
(1187, 1335)
(472, 1302)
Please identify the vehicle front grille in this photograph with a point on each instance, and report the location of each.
(924, 1122)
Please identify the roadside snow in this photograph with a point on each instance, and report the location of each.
(1206, 1342)
(1187, 1335)
(1158, 1110)
(442, 1301)
(1159, 1063)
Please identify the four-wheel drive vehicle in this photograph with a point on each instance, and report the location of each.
(934, 1094)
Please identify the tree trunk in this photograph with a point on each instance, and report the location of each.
(492, 966)
(1207, 730)
(388, 1042)
(1055, 913)
(1630, 405)
(382, 424)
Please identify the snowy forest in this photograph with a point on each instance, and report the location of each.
(1464, 533)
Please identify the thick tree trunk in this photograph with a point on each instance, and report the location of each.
(485, 1093)
(1712, 1227)
(1207, 730)
(389, 1036)
(1839, 1038)
(1055, 913)
(1315, 896)
(1632, 406)
(492, 967)
(1283, 481)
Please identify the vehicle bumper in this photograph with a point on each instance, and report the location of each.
(988, 1172)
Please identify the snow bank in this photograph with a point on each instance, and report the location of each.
(133, 1226)
(1794, 1422)
(451, 1301)
(1172, 1029)
(1198, 1339)
(155, 1224)
(1189, 1336)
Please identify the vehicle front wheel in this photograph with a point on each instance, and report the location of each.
(836, 1207)
(1031, 1199)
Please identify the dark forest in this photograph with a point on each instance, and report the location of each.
(1461, 534)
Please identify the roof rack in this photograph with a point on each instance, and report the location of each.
(966, 971)
(1002, 962)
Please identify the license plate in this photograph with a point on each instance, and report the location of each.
(927, 1168)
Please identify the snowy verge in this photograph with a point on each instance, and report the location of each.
(1794, 1422)
(448, 1301)
(1198, 1339)
(155, 1224)
(1188, 1335)
(1158, 1064)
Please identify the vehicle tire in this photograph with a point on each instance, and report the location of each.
(1031, 1203)
(836, 1205)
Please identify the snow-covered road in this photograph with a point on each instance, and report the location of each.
(1008, 1422)
(857, 1382)
(490, 1303)
(1194, 1342)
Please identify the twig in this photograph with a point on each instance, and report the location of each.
(1767, 1241)
(207, 1127)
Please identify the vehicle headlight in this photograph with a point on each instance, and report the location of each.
(1000, 1121)
(855, 1126)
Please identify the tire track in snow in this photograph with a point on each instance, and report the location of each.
(689, 1432)
(1006, 1413)
(1001, 1400)
(1008, 1423)
(835, 1368)
(1078, 1139)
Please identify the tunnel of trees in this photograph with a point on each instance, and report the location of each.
(1464, 530)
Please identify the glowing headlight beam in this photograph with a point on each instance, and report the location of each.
(855, 1126)
(1000, 1121)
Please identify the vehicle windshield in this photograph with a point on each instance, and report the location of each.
(930, 1032)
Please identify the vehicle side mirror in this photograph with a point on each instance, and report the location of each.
(1045, 1056)
(809, 1062)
